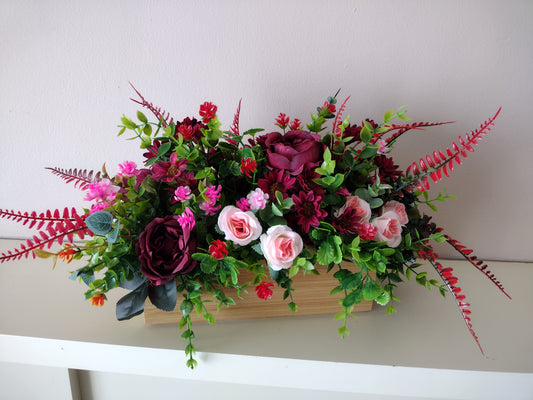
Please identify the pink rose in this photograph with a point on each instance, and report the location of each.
(399, 209)
(241, 227)
(280, 246)
(361, 207)
(389, 229)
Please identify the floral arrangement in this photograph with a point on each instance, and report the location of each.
(209, 203)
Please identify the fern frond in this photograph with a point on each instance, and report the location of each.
(160, 114)
(81, 177)
(48, 218)
(447, 276)
(47, 239)
(476, 262)
(235, 125)
(437, 164)
(338, 117)
(398, 130)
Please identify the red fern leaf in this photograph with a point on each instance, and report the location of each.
(478, 264)
(446, 275)
(26, 250)
(399, 130)
(81, 177)
(418, 172)
(338, 117)
(235, 125)
(160, 114)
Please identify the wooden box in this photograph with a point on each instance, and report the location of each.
(311, 296)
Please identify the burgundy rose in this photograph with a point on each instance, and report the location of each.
(165, 249)
(294, 152)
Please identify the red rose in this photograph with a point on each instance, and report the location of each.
(294, 151)
(263, 290)
(165, 249)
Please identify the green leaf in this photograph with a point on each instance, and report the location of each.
(186, 307)
(208, 264)
(325, 253)
(99, 222)
(383, 298)
(371, 290)
(164, 148)
(388, 115)
(293, 307)
(141, 117)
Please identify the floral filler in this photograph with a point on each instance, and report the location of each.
(209, 203)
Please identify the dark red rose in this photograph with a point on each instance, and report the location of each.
(165, 249)
(294, 152)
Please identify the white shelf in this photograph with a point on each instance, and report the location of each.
(44, 320)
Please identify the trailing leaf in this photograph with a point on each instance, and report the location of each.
(477, 263)
(446, 274)
(159, 113)
(437, 164)
(81, 177)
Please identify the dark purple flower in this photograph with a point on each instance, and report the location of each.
(277, 181)
(165, 249)
(294, 152)
(308, 212)
(168, 171)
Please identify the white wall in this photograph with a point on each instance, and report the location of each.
(66, 65)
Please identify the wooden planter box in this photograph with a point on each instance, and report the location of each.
(311, 296)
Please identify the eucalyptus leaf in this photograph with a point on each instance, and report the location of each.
(99, 222)
(164, 296)
(133, 303)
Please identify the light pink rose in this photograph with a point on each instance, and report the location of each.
(389, 229)
(280, 246)
(241, 227)
(361, 207)
(398, 208)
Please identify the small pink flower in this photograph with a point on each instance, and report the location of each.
(212, 193)
(208, 208)
(99, 206)
(361, 207)
(186, 219)
(399, 209)
(241, 227)
(389, 229)
(182, 193)
(243, 204)
(383, 149)
(102, 190)
(280, 246)
(257, 199)
(127, 168)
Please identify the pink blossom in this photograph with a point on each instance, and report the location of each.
(257, 199)
(280, 246)
(210, 209)
(243, 204)
(101, 190)
(182, 193)
(186, 219)
(241, 227)
(99, 206)
(389, 229)
(361, 207)
(383, 149)
(213, 194)
(399, 209)
(127, 168)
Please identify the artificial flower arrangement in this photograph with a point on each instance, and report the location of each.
(209, 203)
